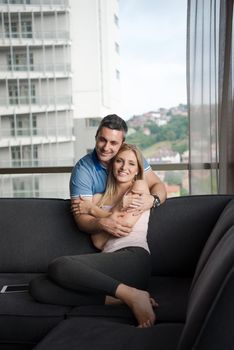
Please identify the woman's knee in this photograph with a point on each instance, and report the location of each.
(58, 268)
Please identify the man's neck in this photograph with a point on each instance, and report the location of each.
(105, 164)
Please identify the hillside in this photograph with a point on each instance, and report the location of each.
(155, 149)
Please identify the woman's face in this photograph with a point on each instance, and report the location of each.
(125, 166)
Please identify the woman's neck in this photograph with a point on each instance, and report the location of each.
(122, 188)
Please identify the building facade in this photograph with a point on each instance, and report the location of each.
(58, 63)
(95, 45)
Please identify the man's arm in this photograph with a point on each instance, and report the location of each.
(156, 186)
(142, 202)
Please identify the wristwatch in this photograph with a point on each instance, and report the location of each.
(156, 202)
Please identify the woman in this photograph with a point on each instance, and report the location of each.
(117, 196)
(120, 273)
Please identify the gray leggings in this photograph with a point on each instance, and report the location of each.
(87, 279)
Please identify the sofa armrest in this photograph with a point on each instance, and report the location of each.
(225, 221)
(210, 322)
(178, 231)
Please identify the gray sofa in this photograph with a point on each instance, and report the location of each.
(192, 246)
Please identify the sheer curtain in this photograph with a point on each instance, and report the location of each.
(210, 95)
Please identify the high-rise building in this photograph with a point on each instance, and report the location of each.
(95, 66)
(58, 62)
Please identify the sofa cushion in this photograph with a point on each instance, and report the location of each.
(35, 231)
(92, 333)
(22, 320)
(170, 293)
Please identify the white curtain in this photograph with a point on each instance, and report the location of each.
(210, 95)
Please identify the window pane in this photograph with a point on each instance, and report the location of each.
(35, 185)
(130, 61)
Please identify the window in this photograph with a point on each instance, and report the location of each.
(11, 30)
(92, 122)
(135, 71)
(20, 61)
(16, 29)
(21, 125)
(25, 186)
(153, 83)
(26, 29)
(13, 94)
(24, 156)
(22, 95)
(16, 156)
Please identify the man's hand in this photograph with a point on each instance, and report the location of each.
(112, 226)
(136, 202)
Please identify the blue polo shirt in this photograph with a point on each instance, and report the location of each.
(89, 176)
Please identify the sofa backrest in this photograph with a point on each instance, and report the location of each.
(179, 229)
(35, 231)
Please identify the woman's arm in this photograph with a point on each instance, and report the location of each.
(141, 188)
(118, 213)
(90, 207)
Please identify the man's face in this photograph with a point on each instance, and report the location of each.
(108, 142)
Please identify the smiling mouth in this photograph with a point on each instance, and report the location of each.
(122, 173)
(105, 154)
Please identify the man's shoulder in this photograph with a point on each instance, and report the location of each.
(86, 161)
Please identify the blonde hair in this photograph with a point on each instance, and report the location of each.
(111, 181)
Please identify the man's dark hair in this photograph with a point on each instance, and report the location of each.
(114, 122)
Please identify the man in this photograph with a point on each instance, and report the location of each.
(89, 176)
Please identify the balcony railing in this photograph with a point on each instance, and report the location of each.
(7, 133)
(34, 165)
(40, 67)
(41, 100)
(61, 191)
(65, 169)
(34, 2)
(42, 35)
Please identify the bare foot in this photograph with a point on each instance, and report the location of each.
(139, 302)
(153, 302)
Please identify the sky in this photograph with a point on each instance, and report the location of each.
(152, 54)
